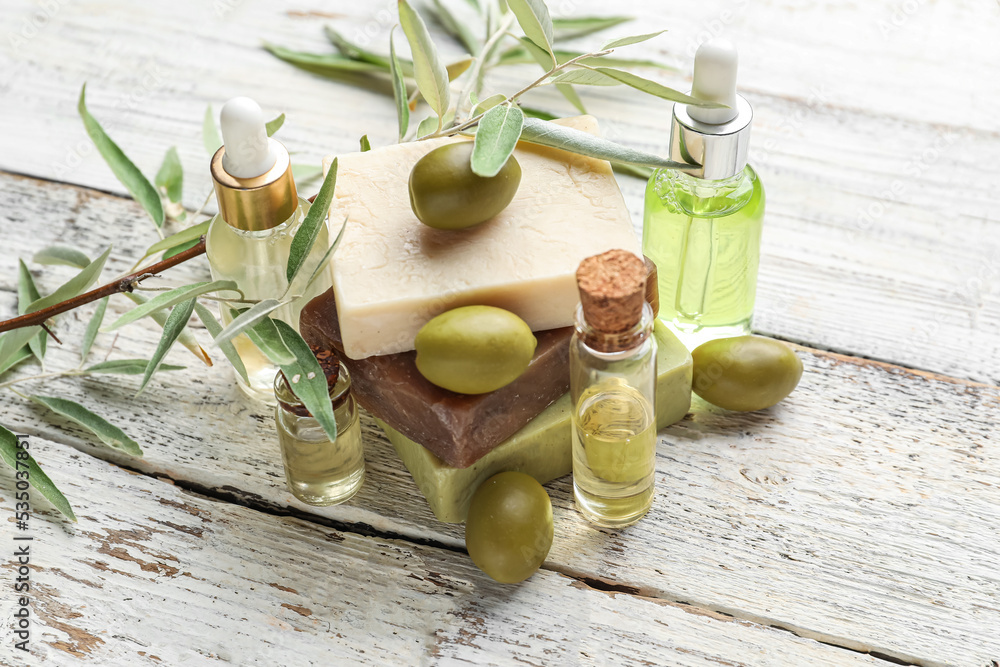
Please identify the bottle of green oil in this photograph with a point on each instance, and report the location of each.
(702, 226)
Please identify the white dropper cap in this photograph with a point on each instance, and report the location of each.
(715, 66)
(248, 150)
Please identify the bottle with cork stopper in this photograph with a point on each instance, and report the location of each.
(320, 471)
(613, 387)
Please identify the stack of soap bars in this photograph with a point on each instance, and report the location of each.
(391, 274)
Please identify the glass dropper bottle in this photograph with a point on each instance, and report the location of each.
(702, 226)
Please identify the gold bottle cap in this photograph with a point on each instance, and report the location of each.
(258, 203)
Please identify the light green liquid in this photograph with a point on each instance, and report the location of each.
(614, 455)
(257, 261)
(704, 237)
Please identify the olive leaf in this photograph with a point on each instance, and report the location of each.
(92, 328)
(285, 347)
(124, 170)
(176, 250)
(584, 77)
(61, 256)
(128, 367)
(634, 39)
(246, 319)
(170, 176)
(227, 347)
(654, 88)
(274, 125)
(540, 114)
(326, 64)
(456, 28)
(210, 133)
(192, 233)
(355, 52)
(499, 130)
(108, 433)
(488, 103)
(186, 338)
(171, 298)
(365, 144)
(544, 133)
(305, 237)
(264, 335)
(430, 73)
(35, 475)
(76, 285)
(13, 342)
(172, 328)
(633, 170)
(27, 292)
(398, 89)
(574, 27)
(430, 124)
(533, 17)
(20, 355)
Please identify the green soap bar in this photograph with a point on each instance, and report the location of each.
(543, 448)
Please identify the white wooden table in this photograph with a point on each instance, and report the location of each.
(856, 523)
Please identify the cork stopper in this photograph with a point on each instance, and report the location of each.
(330, 364)
(612, 290)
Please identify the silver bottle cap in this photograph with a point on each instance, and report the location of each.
(719, 150)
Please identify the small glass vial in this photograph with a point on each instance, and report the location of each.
(249, 241)
(320, 472)
(613, 387)
(702, 226)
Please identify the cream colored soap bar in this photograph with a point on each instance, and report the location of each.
(543, 448)
(392, 273)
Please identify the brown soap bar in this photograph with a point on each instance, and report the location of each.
(458, 428)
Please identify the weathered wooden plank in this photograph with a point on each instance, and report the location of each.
(871, 484)
(881, 240)
(153, 575)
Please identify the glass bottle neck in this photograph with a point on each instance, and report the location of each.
(618, 345)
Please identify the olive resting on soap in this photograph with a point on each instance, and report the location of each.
(446, 194)
(474, 349)
(745, 373)
(509, 529)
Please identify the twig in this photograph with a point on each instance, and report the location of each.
(537, 82)
(125, 284)
(49, 332)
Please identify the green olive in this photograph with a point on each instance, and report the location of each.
(474, 349)
(446, 194)
(509, 528)
(745, 373)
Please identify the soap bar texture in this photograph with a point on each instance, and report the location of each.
(459, 428)
(392, 273)
(543, 448)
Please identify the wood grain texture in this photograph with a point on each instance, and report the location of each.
(878, 154)
(863, 511)
(180, 579)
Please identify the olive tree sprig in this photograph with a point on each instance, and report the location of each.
(24, 336)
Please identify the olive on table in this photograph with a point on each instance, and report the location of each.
(446, 194)
(509, 529)
(474, 349)
(745, 373)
